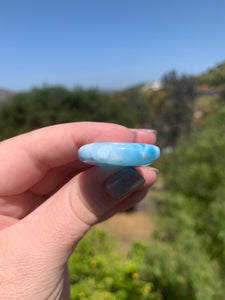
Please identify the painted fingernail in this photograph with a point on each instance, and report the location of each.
(124, 182)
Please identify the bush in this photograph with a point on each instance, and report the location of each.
(178, 273)
(200, 180)
(53, 105)
(191, 227)
(98, 272)
(201, 162)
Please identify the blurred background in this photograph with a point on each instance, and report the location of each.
(146, 64)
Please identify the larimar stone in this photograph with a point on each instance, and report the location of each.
(118, 154)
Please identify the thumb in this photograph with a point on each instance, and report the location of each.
(51, 232)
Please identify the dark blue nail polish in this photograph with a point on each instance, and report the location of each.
(124, 182)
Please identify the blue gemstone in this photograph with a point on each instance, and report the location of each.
(118, 154)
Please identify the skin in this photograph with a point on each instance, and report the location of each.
(49, 200)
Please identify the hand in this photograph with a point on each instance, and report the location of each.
(49, 200)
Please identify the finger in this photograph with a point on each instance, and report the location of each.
(6, 221)
(131, 201)
(55, 179)
(54, 228)
(20, 205)
(150, 175)
(147, 136)
(34, 154)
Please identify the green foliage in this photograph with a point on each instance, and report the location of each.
(54, 105)
(192, 212)
(202, 157)
(205, 102)
(171, 109)
(152, 271)
(214, 77)
(138, 106)
(178, 273)
(98, 272)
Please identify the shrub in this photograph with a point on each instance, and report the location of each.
(98, 272)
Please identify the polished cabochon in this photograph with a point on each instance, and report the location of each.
(118, 154)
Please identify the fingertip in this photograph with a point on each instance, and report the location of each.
(146, 136)
(149, 174)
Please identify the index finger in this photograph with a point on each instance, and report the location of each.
(26, 159)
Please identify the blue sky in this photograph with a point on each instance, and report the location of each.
(107, 44)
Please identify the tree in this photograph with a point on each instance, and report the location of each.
(181, 96)
(53, 105)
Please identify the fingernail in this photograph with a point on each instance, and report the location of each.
(144, 129)
(155, 170)
(149, 130)
(124, 182)
(135, 133)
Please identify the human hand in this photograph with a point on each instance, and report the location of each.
(49, 200)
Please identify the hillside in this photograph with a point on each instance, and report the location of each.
(213, 77)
